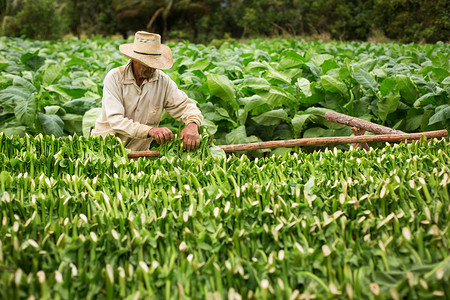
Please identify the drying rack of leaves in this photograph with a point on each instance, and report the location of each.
(79, 220)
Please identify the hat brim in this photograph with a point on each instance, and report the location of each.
(161, 62)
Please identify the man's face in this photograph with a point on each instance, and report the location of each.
(141, 71)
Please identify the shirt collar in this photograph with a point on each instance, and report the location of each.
(128, 76)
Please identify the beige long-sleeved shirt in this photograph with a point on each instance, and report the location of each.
(130, 111)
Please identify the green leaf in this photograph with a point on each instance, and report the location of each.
(291, 59)
(304, 85)
(388, 85)
(217, 152)
(270, 118)
(222, 87)
(79, 106)
(210, 127)
(14, 131)
(52, 74)
(237, 136)
(200, 64)
(255, 84)
(25, 111)
(334, 85)
(214, 116)
(223, 112)
(86, 82)
(345, 71)
(256, 67)
(446, 81)
(387, 105)
(315, 71)
(441, 61)
(442, 114)
(3, 63)
(366, 80)
(314, 132)
(407, 88)
(425, 100)
(275, 77)
(73, 123)
(51, 124)
(298, 122)
(329, 64)
(252, 103)
(73, 91)
(318, 111)
(89, 119)
(380, 73)
(246, 100)
(386, 279)
(280, 151)
(13, 95)
(437, 73)
(413, 119)
(318, 60)
(24, 84)
(230, 66)
(278, 97)
(310, 184)
(76, 61)
(71, 117)
(260, 54)
(5, 81)
(33, 60)
(54, 110)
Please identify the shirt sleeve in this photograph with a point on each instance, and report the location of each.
(112, 102)
(180, 107)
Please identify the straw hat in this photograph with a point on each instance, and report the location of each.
(148, 50)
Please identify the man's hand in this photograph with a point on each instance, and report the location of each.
(161, 135)
(190, 137)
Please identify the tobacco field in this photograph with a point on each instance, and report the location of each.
(78, 220)
(248, 92)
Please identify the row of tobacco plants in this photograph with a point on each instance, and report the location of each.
(253, 91)
(79, 220)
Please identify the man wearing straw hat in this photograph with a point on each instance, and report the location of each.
(135, 95)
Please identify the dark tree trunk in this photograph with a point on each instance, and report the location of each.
(164, 33)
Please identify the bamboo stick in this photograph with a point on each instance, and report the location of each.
(359, 123)
(322, 141)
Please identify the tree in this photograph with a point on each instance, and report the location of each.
(160, 10)
(91, 17)
(39, 19)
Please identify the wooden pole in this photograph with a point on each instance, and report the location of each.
(359, 131)
(322, 141)
(359, 123)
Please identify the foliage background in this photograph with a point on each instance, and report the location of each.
(205, 21)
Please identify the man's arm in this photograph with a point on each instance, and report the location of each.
(183, 109)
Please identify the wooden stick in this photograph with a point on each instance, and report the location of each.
(359, 123)
(323, 141)
(359, 131)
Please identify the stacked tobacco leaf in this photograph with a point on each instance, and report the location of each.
(78, 220)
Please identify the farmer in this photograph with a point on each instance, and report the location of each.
(135, 95)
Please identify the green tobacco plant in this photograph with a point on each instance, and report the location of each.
(174, 148)
(261, 89)
(78, 220)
